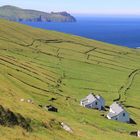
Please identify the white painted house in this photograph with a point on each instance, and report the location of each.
(117, 112)
(93, 101)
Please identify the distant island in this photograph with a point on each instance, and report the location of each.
(13, 13)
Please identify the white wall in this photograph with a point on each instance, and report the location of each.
(122, 118)
(93, 105)
(100, 104)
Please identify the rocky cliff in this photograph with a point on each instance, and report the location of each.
(17, 14)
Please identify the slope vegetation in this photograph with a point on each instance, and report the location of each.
(41, 65)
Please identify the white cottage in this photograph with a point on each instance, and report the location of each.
(93, 101)
(117, 112)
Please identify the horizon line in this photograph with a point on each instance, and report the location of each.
(80, 13)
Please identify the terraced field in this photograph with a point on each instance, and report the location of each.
(41, 65)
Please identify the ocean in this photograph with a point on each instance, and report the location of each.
(124, 31)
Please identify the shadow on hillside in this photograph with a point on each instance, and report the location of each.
(132, 121)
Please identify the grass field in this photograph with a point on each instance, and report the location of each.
(41, 65)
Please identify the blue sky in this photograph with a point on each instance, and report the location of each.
(119, 7)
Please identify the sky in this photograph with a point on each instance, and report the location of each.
(101, 7)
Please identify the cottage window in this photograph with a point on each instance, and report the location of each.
(116, 118)
(123, 114)
(96, 103)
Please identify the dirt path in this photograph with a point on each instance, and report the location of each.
(124, 88)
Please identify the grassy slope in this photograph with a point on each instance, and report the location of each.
(40, 64)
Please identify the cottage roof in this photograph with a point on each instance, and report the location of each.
(116, 108)
(91, 98)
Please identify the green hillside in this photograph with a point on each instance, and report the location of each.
(41, 65)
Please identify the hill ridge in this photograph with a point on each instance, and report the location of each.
(14, 13)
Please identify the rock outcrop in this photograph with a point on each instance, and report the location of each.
(10, 119)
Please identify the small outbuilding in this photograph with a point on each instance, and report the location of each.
(117, 112)
(51, 108)
(93, 101)
(135, 133)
